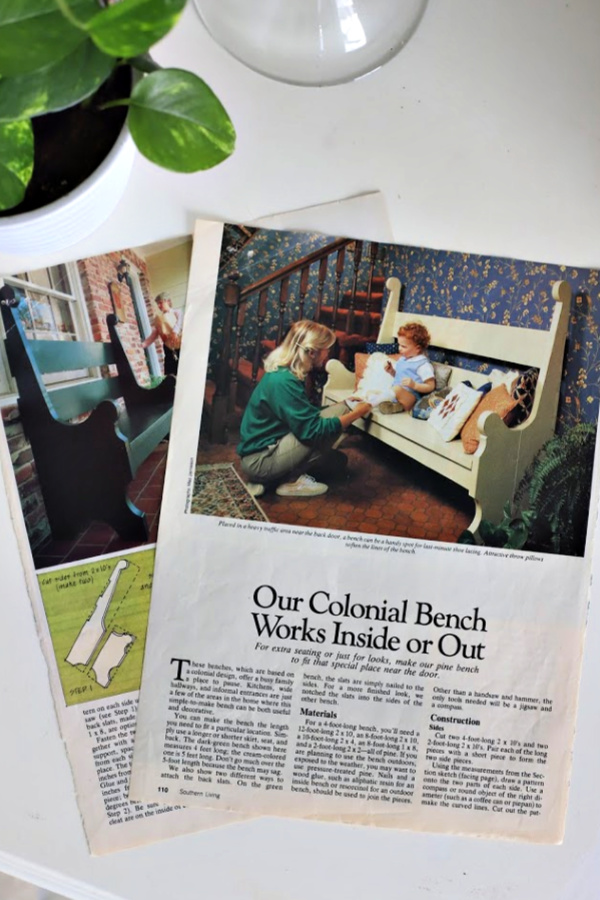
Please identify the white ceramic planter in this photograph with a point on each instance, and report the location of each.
(76, 215)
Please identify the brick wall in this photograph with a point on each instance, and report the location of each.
(96, 273)
(34, 513)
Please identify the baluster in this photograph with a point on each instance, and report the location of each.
(358, 246)
(303, 288)
(339, 270)
(262, 311)
(323, 266)
(218, 429)
(283, 299)
(239, 328)
(373, 252)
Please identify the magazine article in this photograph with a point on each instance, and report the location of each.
(87, 414)
(85, 499)
(386, 630)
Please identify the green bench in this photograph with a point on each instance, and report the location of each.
(85, 467)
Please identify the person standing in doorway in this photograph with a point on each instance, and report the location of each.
(166, 327)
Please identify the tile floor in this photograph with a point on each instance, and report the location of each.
(98, 538)
(385, 493)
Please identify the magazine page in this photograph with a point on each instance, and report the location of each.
(83, 458)
(386, 630)
(83, 454)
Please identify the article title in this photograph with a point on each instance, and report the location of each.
(287, 619)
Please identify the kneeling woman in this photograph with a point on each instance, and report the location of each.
(282, 433)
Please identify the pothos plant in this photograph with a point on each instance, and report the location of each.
(54, 54)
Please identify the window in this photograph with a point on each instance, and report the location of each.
(54, 310)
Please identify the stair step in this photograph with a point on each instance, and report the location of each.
(358, 313)
(361, 298)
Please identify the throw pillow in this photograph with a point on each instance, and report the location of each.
(449, 417)
(442, 374)
(523, 391)
(498, 400)
(425, 406)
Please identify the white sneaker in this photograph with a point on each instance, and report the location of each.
(254, 489)
(305, 486)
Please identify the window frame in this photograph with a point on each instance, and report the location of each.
(81, 321)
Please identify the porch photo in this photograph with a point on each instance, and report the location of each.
(400, 391)
(87, 377)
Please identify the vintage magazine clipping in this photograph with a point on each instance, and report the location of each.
(85, 498)
(403, 649)
(85, 501)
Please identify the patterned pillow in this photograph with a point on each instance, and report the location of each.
(442, 374)
(425, 406)
(449, 417)
(523, 391)
(498, 400)
(392, 347)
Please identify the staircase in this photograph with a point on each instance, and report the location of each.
(336, 286)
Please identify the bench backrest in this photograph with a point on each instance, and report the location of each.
(524, 347)
(30, 360)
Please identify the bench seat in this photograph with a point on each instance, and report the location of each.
(88, 437)
(492, 474)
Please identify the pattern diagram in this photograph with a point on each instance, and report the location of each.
(100, 654)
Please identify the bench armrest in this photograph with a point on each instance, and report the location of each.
(339, 377)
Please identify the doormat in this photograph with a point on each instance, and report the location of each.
(219, 491)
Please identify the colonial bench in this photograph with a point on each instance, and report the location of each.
(492, 474)
(85, 466)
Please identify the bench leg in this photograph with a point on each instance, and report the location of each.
(128, 521)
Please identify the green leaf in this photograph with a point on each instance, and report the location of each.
(130, 27)
(178, 123)
(56, 86)
(35, 33)
(466, 537)
(16, 161)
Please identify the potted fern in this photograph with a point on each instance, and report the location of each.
(81, 70)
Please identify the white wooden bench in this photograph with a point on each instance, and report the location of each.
(492, 474)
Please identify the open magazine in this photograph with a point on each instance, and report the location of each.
(385, 630)
(87, 415)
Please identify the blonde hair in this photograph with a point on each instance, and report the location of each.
(297, 351)
(160, 298)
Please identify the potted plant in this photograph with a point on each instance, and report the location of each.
(65, 77)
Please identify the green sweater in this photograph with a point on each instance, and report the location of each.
(278, 406)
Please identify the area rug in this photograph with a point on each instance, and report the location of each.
(219, 491)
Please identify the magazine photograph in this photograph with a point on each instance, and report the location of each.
(374, 554)
(90, 357)
(496, 439)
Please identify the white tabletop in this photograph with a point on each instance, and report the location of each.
(484, 136)
(482, 133)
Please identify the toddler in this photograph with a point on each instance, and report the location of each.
(413, 374)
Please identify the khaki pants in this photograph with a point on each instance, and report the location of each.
(289, 457)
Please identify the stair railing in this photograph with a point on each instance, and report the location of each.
(237, 301)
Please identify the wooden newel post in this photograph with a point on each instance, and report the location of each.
(356, 266)
(262, 312)
(231, 299)
(239, 328)
(373, 252)
(303, 288)
(339, 270)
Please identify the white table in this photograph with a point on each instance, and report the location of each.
(484, 136)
